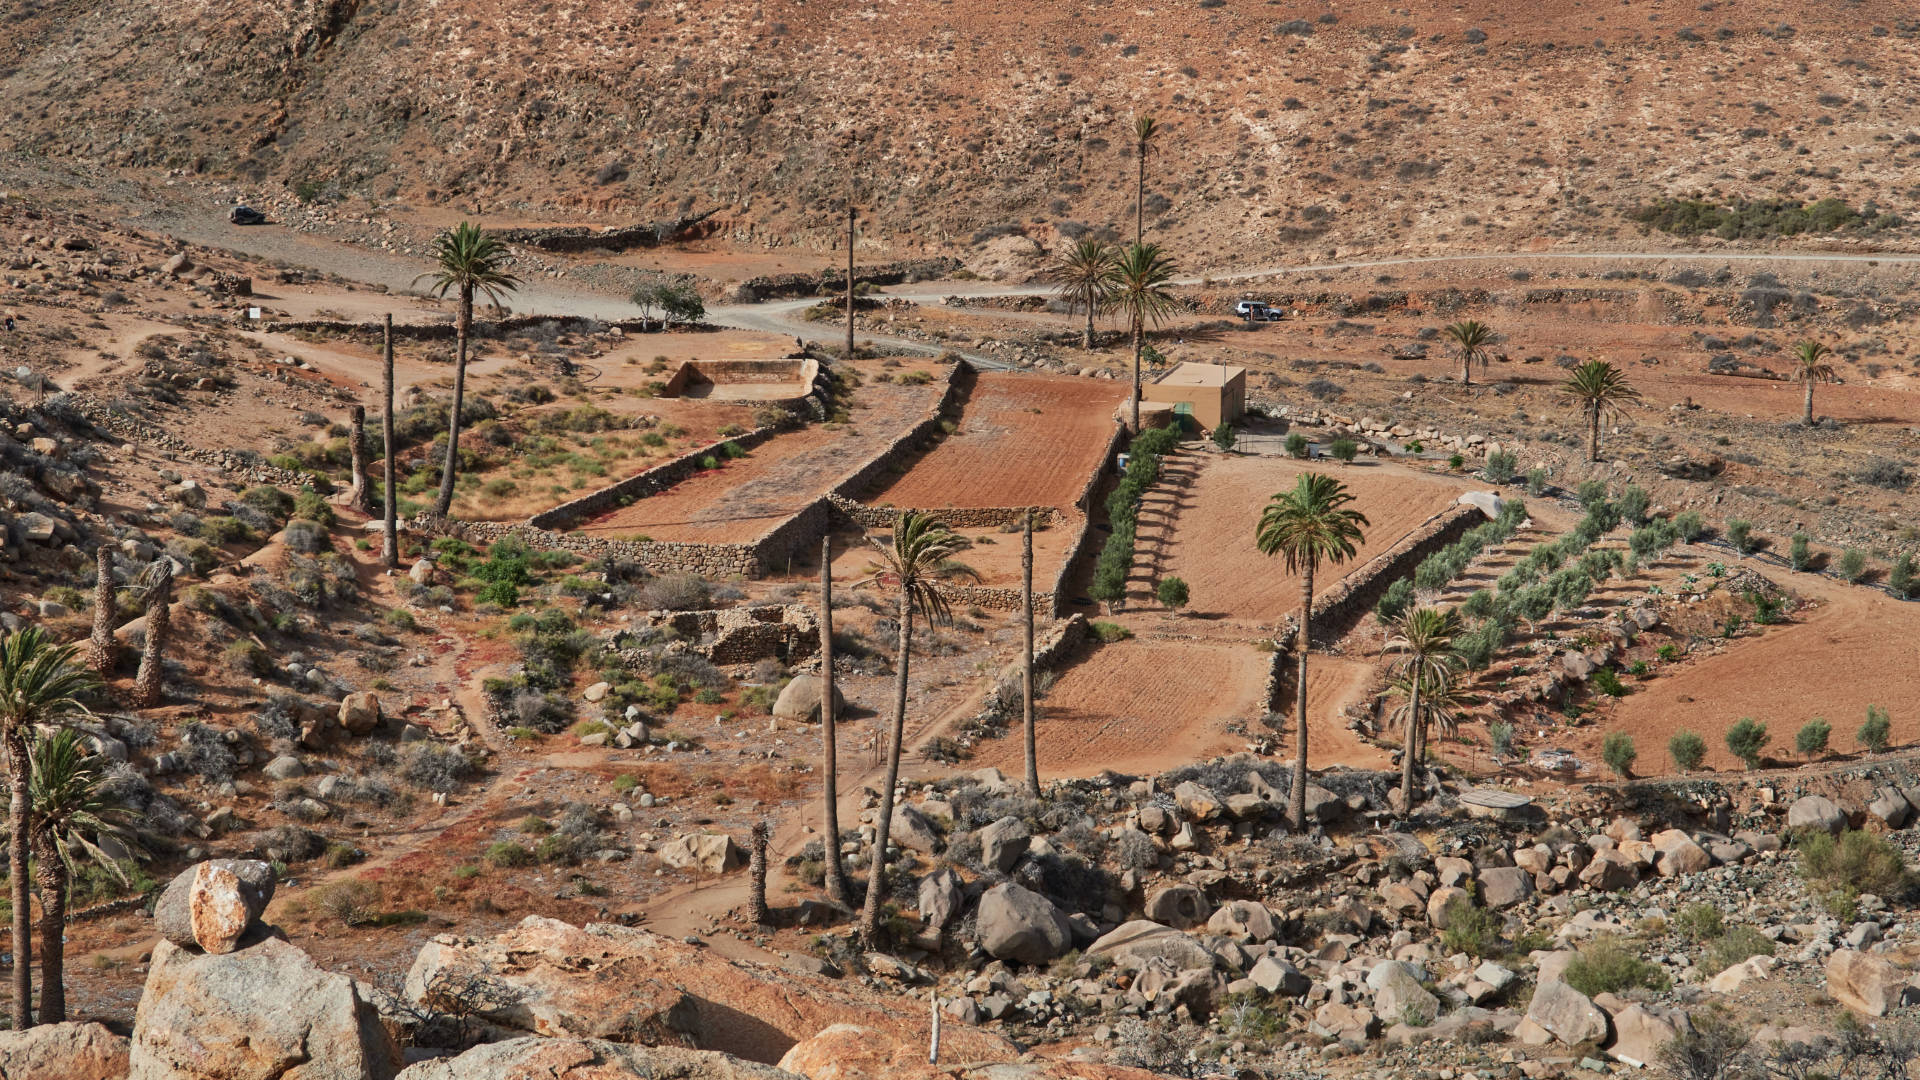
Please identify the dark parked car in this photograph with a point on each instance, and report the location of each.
(246, 215)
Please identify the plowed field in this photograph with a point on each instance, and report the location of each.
(1023, 440)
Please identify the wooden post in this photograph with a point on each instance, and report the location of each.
(390, 541)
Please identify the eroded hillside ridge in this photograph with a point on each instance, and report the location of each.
(1291, 130)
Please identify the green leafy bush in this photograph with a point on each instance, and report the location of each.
(1608, 966)
(1838, 870)
(1699, 923)
(1800, 551)
(1500, 467)
(1853, 565)
(1537, 481)
(507, 853)
(1689, 525)
(1730, 948)
(1900, 577)
(1812, 737)
(1746, 739)
(1296, 445)
(1344, 450)
(1634, 503)
(1688, 750)
(1618, 752)
(1740, 534)
(1395, 601)
(1608, 683)
(1172, 592)
(1877, 731)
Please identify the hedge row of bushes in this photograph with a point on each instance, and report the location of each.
(1437, 571)
(1123, 511)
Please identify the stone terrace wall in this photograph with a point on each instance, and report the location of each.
(959, 517)
(960, 379)
(799, 534)
(796, 285)
(799, 371)
(707, 560)
(1078, 547)
(641, 484)
(1355, 594)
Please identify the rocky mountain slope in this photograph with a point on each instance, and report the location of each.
(1292, 129)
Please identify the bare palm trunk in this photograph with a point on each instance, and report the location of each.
(883, 827)
(1593, 437)
(359, 494)
(757, 874)
(1140, 200)
(1407, 751)
(1807, 414)
(849, 282)
(147, 683)
(389, 501)
(100, 650)
(1139, 338)
(1299, 807)
(1466, 369)
(829, 719)
(444, 504)
(18, 809)
(52, 875)
(1086, 337)
(1026, 683)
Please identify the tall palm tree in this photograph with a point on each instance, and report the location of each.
(1598, 389)
(389, 491)
(919, 553)
(1470, 341)
(1425, 635)
(1810, 366)
(467, 261)
(1085, 278)
(1441, 700)
(1144, 129)
(1310, 525)
(836, 877)
(100, 647)
(1026, 667)
(39, 683)
(157, 583)
(1141, 278)
(71, 812)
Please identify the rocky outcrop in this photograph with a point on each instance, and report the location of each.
(850, 1052)
(589, 1059)
(72, 1051)
(262, 1012)
(1021, 925)
(211, 905)
(1866, 983)
(1816, 812)
(714, 853)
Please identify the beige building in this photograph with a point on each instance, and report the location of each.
(1215, 394)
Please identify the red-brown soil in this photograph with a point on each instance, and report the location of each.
(1022, 440)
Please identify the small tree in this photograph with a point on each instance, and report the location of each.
(1853, 565)
(1500, 733)
(1344, 450)
(1618, 752)
(1740, 535)
(1224, 436)
(1500, 467)
(1296, 445)
(1687, 524)
(1746, 739)
(1812, 737)
(1688, 750)
(1537, 481)
(1634, 503)
(1800, 551)
(1877, 731)
(1900, 576)
(1172, 592)
(681, 302)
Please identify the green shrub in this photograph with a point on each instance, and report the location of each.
(1608, 683)
(1699, 923)
(270, 501)
(1799, 551)
(1296, 445)
(1224, 437)
(1732, 947)
(1634, 503)
(1500, 733)
(1740, 534)
(1618, 752)
(1812, 737)
(1110, 632)
(1900, 577)
(1172, 592)
(313, 506)
(1456, 461)
(1877, 731)
(1853, 565)
(1688, 750)
(1537, 481)
(1837, 871)
(1395, 601)
(1607, 966)
(1746, 739)
(1344, 450)
(1500, 467)
(507, 853)
(1591, 494)
(1689, 525)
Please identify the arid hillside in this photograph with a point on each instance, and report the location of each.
(1294, 129)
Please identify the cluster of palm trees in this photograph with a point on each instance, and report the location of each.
(58, 809)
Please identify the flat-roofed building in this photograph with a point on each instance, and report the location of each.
(1215, 393)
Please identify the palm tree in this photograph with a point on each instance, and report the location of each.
(1309, 525)
(836, 876)
(1141, 278)
(1810, 366)
(39, 683)
(389, 491)
(1026, 667)
(1598, 388)
(100, 648)
(919, 552)
(1084, 277)
(1425, 635)
(1441, 700)
(71, 811)
(467, 261)
(1144, 129)
(1470, 341)
(157, 583)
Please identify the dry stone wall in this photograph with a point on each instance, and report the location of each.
(715, 561)
(1078, 547)
(641, 484)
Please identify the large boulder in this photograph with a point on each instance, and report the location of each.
(1021, 925)
(1197, 801)
(589, 1059)
(1003, 843)
(1132, 945)
(1505, 886)
(800, 700)
(212, 905)
(1639, 1032)
(1816, 812)
(360, 713)
(1398, 996)
(912, 831)
(1678, 854)
(263, 1012)
(1866, 983)
(72, 1051)
(939, 897)
(715, 853)
(1181, 906)
(1567, 1014)
(1276, 976)
(1244, 921)
(856, 1052)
